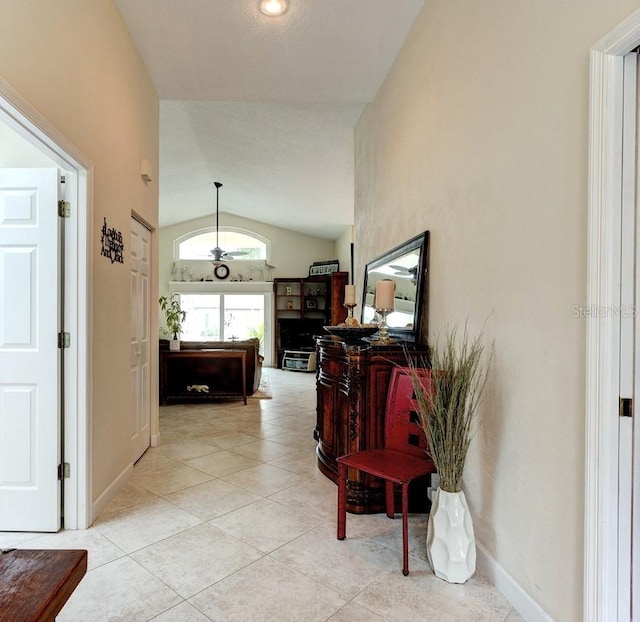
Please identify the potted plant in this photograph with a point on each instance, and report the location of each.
(174, 316)
(447, 411)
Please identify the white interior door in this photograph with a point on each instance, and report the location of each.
(30, 411)
(628, 535)
(140, 343)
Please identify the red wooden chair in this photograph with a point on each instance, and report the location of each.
(402, 460)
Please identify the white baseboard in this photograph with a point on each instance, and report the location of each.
(112, 490)
(509, 588)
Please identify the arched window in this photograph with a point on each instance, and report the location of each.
(198, 244)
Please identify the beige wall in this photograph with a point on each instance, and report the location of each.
(479, 134)
(75, 63)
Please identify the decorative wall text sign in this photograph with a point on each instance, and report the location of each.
(324, 267)
(112, 244)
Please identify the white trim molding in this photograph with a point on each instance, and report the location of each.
(220, 287)
(526, 606)
(603, 330)
(109, 494)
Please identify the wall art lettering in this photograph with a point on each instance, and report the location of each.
(112, 243)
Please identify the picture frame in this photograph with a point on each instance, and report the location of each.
(324, 267)
(311, 303)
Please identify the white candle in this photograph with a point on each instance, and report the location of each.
(384, 294)
(349, 294)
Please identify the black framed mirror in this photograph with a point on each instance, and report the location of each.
(407, 265)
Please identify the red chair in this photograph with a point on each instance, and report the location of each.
(402, 460)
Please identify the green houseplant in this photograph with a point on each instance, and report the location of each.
(174, 317)
(447, 411)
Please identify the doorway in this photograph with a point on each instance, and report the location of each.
(37, 136)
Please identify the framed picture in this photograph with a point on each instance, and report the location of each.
(311, 303)
(324, 267)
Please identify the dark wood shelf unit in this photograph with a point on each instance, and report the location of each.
(303, 306)
(352, 386)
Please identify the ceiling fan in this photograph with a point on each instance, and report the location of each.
(409, 273)
(217, 253)
(403, 270)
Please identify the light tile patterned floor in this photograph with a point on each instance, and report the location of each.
(229, 519)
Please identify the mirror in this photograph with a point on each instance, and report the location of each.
(407, 266)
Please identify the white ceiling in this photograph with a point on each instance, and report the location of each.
(266, 106)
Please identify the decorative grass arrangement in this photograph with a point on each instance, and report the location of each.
(447, 412)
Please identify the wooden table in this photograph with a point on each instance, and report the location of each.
(183, 371)
(35, 584)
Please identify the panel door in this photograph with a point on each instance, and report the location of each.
(140, 343)
(30, 406)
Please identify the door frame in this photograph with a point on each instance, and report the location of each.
(30, 124)
(603, 329)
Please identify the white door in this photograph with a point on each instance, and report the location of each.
(30, 410)
(629, 348)
(140, 343)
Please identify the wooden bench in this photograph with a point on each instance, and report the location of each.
(35, 584)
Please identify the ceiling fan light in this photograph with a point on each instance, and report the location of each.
(273, 8)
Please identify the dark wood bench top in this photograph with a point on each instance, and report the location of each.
(35, 584)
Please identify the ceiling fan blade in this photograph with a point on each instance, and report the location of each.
(404, 270)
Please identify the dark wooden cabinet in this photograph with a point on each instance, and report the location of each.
(352, 384)
(200, 375)
(303, 306)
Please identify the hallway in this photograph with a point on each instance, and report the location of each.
(229, 519)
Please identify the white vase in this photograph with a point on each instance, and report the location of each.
(451, 543)
(174, 345)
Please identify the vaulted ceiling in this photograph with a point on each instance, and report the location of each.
(266, 105)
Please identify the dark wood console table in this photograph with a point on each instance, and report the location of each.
(184, 372)
(352, 386)
(36, 584)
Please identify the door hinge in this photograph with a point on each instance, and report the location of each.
(64, 209)
(64, 471)
(64, 340)
(626, 407)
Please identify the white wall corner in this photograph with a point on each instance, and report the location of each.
(526, 606)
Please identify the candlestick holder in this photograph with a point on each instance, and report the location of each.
(383, 327)
(351, 321)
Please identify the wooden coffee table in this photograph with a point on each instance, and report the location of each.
(36, 584)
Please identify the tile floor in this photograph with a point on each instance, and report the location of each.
(229, 519)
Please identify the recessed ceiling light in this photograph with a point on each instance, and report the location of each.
(273, 8)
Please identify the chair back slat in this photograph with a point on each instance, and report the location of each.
(402, 431)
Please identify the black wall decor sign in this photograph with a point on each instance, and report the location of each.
(324, 267)
(112, 244)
